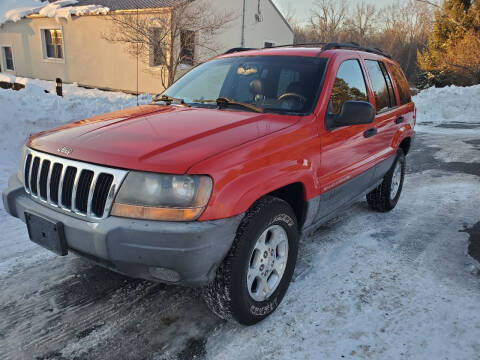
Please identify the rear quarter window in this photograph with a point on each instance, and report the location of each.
(381, 86)
(402, 84)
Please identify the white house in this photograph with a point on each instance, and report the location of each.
(68, 41)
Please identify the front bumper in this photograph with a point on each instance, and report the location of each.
(191, 251)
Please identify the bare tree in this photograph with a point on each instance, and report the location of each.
(361, 24)
(168, 38)
(404, 30)
(328, 18)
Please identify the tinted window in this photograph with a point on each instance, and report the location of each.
(383, 99)
(283, 84)
(349, 85)
(391, 92)
(402, 84)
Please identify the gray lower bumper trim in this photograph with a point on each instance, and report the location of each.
(192, 249)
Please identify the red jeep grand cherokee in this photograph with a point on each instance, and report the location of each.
(213, 184)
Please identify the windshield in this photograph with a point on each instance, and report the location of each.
(281, 84)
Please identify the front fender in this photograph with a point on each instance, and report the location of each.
(244, 174)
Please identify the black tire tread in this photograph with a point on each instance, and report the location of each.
(379, 198)
(217, 294)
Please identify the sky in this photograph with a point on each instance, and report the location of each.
(302, 7)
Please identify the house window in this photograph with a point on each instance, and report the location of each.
(157, 56)
(53, 42)
(187, 51)
(8, 58)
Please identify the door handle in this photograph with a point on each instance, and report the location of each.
(399, 120)
(370, 132)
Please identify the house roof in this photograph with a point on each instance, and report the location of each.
(130, 4)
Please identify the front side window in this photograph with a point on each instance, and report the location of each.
(381, 86)
(402, 84)
(279, 84)
(53, 43)
(349, 85)
(8, 58)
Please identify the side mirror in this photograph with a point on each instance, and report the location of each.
(353, 113)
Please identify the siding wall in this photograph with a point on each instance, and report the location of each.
(273, 28)
(89, 59)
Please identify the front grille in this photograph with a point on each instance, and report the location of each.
(84, 189)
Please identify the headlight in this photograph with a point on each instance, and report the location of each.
(21, 164)
(162, 197)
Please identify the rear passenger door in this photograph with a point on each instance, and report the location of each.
(387, 116)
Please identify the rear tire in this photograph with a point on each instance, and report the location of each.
(266, 241)
(385, 197)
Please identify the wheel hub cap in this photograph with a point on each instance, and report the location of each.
(267, 263)
(396, 179)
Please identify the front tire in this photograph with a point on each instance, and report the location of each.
(254, 277)
(385, 197)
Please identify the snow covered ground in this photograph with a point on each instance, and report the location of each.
(367, 286)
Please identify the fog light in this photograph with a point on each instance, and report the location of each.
(164, 274)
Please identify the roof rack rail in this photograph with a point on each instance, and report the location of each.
(324, 47)
(354, 46)
(338, 45)
(237, 49)
(299, 45)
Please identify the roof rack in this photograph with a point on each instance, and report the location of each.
(338, 45)
(237, 49)
(354, 46)
(299, 45)
(324, 47)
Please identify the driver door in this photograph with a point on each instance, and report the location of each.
(345, 150)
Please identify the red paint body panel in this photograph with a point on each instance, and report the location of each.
(158, 138)
(247, 154)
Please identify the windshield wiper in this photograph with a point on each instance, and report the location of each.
(169, 100)
(223, 102)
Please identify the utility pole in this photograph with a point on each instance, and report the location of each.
(243, 22)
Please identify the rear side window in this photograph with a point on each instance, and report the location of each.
(381, 86)
(349, 85)
(402, 84)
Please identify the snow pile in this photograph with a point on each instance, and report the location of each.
(31, 110)
(7, 78)
(62, 10)
(451, 104)
(14, 10)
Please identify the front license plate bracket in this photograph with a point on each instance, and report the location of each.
(47, 233)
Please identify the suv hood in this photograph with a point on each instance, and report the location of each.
(157, 138)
